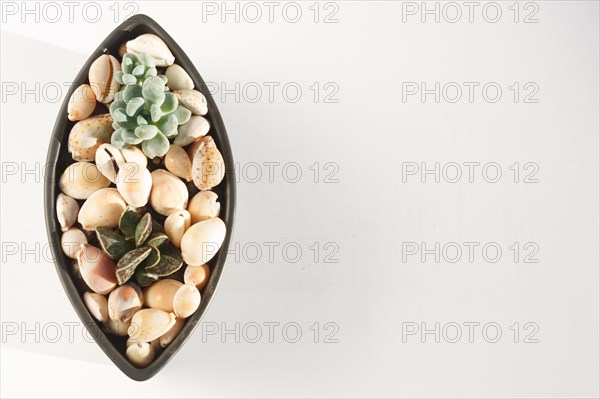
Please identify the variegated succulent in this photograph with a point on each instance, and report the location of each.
(144, 110)
(141, 248)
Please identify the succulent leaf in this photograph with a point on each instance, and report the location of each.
(134, 106)
(170, 261)
(158, 146)
(170, 104)
(146, 132)
(129, 221)
(113, 243)
(183, 114)
(130, 137)
(128, 263)
(156, 240)
(144, 278)
(152, 259)
(117, 140)
(143, 229)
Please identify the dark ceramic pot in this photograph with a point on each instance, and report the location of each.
(59, 158)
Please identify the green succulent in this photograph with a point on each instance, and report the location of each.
(141, 247)
(144, 111)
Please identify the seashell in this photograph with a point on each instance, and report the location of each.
(122, 49)
(134, 183)
(202, 241)
(208, 166)
(124, 302)
(170, 335)
(197, 275)
(140, 354)
(66, 211)
(97, 269)
(186, 301)
(82, 103)
(97, 305)
(118, 328)
(149, 324)
(155, 343)
(192, 100)
(178, 162)
(204, 205)
(87, 135)
(192, 130)
(159, 295)
(178, 78)
(82, 179)
(134, 154)
(176, 224)
(102, 78)
(169, 193)
(152, 45)
(71, 241)
(102, 208)
(108, 160)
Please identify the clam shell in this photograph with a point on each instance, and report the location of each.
(71, 241)
(202, 241)
(197, 275)
(97, 305)
(97, 269)
(153, 45)
(204, 205)
(134, 183)
(108, 160)
(82, 103)
(102, 78)
(140, 354)
(170, 335)
(178, 162)
(159, 295)
(149, 324)
(192, 130)
(176, 225)
(87, 135)
(118, 328)
(124, 302)
(192, 100)
(82, 179)
(178, 78)
(169, 193)
(102, 208)
(66, 211)
(208, 166)
(186, 301)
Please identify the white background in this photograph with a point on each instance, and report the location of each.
(369, 134)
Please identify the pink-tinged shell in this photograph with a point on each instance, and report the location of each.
(97, 269)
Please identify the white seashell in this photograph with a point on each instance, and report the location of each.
(197, 275)
(140, 354)
(169, 193)
(192, 130)
(204, 205)
(102, 78)
(102, 208)
(192, 100)
(176, 224)
(153, 45)
(178, 78)
(71, 241)
(118, 328)
(82, 103)
(87, 135)
(202, 241)
(186, 301)
(66, 211)
(178, 162)
(134, 183)
(134, 154)
(149, 324)
(208, 166)
(124, 302)
(108, 160)
(155, 343)
(160, 294)
(82, 179)
(170, 335)
(97, 269)
(97, 305)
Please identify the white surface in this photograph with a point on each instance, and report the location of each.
(368, 213)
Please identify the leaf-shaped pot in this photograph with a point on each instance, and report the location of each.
(59, 158)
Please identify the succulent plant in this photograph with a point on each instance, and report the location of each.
(145, 111)
(141, 248)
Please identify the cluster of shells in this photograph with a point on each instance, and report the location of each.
(104, 180)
